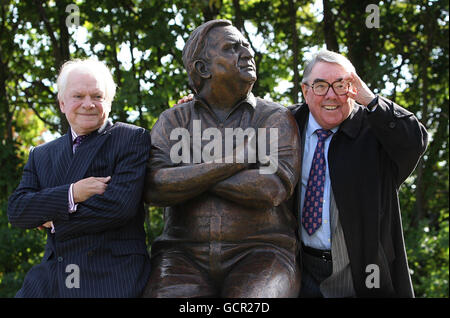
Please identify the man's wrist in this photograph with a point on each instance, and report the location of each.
(373, 103)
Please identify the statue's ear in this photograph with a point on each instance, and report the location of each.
(202, 69)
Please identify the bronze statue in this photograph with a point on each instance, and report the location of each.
(228, 229)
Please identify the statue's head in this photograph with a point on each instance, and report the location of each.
(217, 50)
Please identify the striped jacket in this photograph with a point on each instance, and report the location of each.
(99, 250)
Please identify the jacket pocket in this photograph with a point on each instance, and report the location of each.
(128, 247)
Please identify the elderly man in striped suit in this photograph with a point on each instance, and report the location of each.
(85, 189)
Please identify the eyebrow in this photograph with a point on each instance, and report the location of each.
(322, 80)
(229, 39)
(89, 93)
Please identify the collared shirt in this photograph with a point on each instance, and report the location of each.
(321, 239)
(72, 205)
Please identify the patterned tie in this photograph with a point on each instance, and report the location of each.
(77, 141)
(312, 208)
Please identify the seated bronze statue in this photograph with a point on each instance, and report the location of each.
(225, 184)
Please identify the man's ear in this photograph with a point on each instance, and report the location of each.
(202, 69)
(304, 90)
(61, 105)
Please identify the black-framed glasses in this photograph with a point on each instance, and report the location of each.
(320, 88)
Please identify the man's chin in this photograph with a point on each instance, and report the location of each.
(249, 75)
(251, 81)
(252, 77)
(87, 129)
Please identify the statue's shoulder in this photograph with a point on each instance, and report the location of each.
(178, 109)
(270, 106)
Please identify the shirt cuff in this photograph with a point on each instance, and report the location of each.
(72, 205)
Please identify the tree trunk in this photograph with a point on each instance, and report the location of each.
(359, 38)
(5, 114)
(420, 193)
(329, 30)
(238, 21)
(120, 112)
(295, 52)
(211, 8)
(60, 48)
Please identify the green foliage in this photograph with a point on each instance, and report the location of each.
(406, 59)
(20, 251)
(428, 252)
(154, 224)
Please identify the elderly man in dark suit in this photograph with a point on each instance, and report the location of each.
(355, 157)
(85, 188)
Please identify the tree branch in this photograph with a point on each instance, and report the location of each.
(49, 28)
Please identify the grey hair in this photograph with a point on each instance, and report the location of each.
(329, 57)
(92, 66)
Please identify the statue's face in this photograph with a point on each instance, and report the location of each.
(230, 57)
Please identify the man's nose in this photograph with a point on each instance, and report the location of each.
(331, 94)
(88, 102)
(247, 52)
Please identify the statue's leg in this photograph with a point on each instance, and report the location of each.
(264, 273)
(175, 275)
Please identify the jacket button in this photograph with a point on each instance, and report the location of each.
(60, 259)
(391, 124)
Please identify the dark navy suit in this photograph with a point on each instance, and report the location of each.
(105, 237)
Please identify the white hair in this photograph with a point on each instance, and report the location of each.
(92, 66)
(329, 57)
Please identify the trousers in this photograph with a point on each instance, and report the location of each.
(229, 270)
(314, 271)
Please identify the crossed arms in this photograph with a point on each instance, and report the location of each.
(168, 184)
(33, 204)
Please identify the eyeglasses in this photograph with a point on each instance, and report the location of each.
(320, 88)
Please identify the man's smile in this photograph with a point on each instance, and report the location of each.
(87, 114)
(330, 107)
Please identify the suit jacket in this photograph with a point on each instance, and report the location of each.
(369, 157)
(101, 246)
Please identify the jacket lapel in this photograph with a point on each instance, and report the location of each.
(62, 158)
(301, 116)
(352, 125)
(86, 152)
